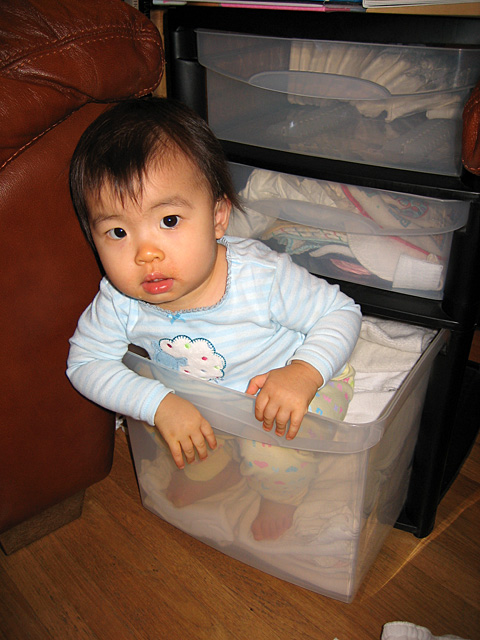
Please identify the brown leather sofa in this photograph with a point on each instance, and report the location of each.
(62, 62)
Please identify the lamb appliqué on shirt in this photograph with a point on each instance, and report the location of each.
(196, 357)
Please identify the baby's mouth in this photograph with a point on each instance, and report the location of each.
(157, 283)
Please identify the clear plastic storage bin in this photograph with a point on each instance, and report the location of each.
(350, 506)
(384, 239)
(387, 105)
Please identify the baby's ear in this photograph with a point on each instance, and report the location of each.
(223, 207)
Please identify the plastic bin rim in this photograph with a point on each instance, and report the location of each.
(375, 427)
(359, 225)
(235, 34)
(209, 61)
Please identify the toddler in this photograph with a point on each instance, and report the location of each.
(153, 194)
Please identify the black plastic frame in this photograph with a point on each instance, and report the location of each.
(446, 435)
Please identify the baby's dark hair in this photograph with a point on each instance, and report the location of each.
(119, 146)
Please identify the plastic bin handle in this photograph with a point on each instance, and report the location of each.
(319, 216)
(310, 84)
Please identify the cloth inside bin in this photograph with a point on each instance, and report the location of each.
(419, 119)
(401, 71)
(414, 260)
(386, 351)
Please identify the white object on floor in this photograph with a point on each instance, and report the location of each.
(410, 631)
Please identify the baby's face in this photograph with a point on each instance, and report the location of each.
(163, 249)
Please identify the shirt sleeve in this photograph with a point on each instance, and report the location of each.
(329, 319)
(95, 367)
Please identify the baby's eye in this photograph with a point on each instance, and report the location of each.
(117, 234)
(169, 222)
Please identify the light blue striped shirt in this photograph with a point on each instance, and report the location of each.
(272, 311)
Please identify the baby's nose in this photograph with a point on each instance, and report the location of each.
(148, 252)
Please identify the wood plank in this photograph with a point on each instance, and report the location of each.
(42, 524)
(55, 612)
(18, 619)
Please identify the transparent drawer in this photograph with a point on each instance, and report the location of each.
(384, 239)
(354, 498)
(387, 105)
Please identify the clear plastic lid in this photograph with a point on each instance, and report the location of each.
(325, 69)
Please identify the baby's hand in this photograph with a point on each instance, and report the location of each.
(184, 429)
(285, 395)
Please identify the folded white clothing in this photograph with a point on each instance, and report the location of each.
(450, 112)
(380, 381)
(366, 407)
(412, 273)
(410, 631)
(401, 106)
(416, 82)
(381, 254)
(396, 335)
(374, 370)
(385, 353)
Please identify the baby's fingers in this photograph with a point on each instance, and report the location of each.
(295, 424)
(177, 455)
(200, 441)
(256, 384)
(189, 451)
(281, 421)
(265, 411)
(207, 432)
(201, 447)
(184, 449)
(189, 445)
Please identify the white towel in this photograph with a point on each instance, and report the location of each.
(399, 336)
(366, 407)
(385, 353)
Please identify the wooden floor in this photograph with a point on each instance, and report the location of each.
(119, 572)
